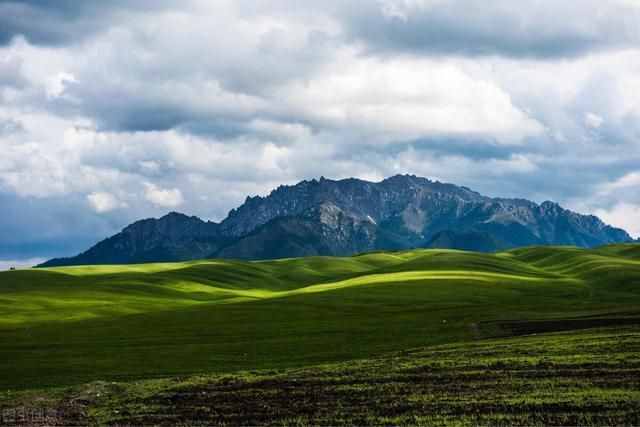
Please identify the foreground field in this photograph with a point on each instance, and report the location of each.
(69, 326)
(587, 377)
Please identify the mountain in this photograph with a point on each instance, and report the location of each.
(467, 240)
(327, 217)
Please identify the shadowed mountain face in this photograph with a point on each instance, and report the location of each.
(326, 217)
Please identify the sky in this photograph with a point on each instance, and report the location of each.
(115, 111)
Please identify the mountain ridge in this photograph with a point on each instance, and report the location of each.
(344, 217)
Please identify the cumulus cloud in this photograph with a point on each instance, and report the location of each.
(113, 111)
(57, 84)
(165, 197)
(406, 98)
(593, 120)
(10, 72)
(103, 202)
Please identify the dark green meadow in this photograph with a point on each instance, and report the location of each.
(529, 336)
(586, 377)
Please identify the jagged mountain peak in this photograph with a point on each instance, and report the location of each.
(360, 198)
(341, 217)
(406, 179)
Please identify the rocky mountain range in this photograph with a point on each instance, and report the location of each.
(344, 217)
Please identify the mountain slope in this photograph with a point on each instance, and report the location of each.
(468, 241)
(322, 230)
(327, 217)
(174, 237)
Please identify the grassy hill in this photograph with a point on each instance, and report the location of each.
(64, 326)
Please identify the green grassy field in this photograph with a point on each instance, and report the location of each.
(587, 377)
(76, 325)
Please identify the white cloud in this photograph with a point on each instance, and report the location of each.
(149, 166)
(623, 215)
(53, 156)
(593, 120)
(56, 85)
(102, 202)
(164, 197)
(403, 9)
(409, 98)
(627, 181)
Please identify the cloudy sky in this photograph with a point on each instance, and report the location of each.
(119, 110)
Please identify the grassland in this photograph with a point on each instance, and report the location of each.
(340, 327)
(589, 377)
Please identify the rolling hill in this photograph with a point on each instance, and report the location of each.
(345, 217)
(545, 335)
(75, 324)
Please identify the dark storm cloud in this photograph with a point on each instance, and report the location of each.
(543, 29)
(145, 112)
(142, 118)
(60, 22)
(470, 148)
(217, 127)
(45, 227)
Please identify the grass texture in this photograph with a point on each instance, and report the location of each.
(413, 337)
